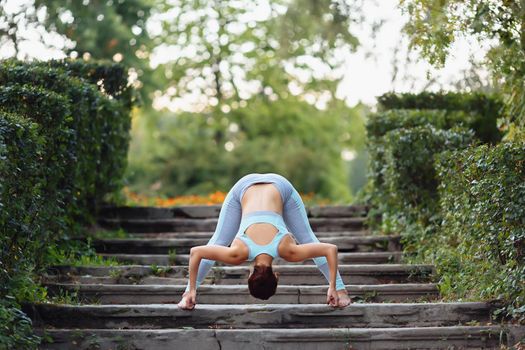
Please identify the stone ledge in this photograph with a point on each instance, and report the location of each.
(209, 224)
(183, 245)
(157, 316)
(461, 337)
(183, 259)
(239, 294)
(208, 234)
(289, 274)
(211, 211)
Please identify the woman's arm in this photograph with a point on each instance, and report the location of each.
(228, 255)
(300, 252)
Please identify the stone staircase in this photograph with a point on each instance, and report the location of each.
(395, 305)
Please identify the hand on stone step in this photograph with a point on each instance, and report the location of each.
(332, 298)
(188, 301)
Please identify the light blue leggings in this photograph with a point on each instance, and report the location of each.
(294, 215)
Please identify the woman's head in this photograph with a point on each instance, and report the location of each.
(262, 282)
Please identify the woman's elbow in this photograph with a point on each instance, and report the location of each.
(292, 255)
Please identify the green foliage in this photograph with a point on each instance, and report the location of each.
(16, 329)
(410, 179)
(23, 197)
(380, 123)
(433, 27)
(172, 257)
(76, 253)
(443, 110)
(103, 29)
(407, 198)
(99, 125)
(287, 136)
(61, 141)
(482, 200)
(484, 110)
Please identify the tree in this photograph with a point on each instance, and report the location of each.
(231, 47)
(435, 25)
(99, 29)
(287, 136)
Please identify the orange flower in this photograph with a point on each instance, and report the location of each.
(213, 198)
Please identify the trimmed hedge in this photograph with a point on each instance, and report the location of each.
(52, 113)
(442, 110)
(20, 204)
(381, 123)
(101, 125)
(482, 200)
(486, 108)
(408, 167)
(63, 150)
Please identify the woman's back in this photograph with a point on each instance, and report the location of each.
(261, 197)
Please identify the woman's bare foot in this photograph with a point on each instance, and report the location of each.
(344, 299)
(186, 302)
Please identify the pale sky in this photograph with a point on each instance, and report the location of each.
(368, 72)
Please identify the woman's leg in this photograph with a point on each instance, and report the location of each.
(295, 217)
(227, 227)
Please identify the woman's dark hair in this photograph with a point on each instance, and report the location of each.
(262, 282)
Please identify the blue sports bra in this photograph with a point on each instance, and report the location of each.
(266, 216)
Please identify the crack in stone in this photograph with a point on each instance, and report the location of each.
(217, 339)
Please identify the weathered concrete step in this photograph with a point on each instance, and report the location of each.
(209, 224)
(288, 274)
(456, 337)
(212, 211)
(208, 234)
(182, 259)
(156, 316)
(239, 294)
(183, 245)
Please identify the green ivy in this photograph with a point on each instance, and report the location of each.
(482, 201)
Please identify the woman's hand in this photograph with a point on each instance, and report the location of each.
(188, 300)
(332, 298)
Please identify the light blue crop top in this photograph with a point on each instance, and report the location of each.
(266, 216)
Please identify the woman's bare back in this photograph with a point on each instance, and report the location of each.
(261, 196)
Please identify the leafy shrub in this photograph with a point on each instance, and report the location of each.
(486, 108)
(409, 194)
(443, 110)
(482, 200)
(101, 130)
(51, 112)
(63, 148)
(381, 123)
(20, 204)
(16, 331)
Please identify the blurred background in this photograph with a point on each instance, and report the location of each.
(233, 87)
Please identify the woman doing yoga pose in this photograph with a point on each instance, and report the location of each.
(253, 225)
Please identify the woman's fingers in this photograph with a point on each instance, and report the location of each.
(186, 303)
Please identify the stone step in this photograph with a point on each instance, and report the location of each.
(212, 211)
(455, 337)
(209, 224)
(239, 294)
(288, 274)
(183, 259)
(183, 245)
(208, 234)
(158, 316)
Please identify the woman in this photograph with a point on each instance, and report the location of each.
(253, 225)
